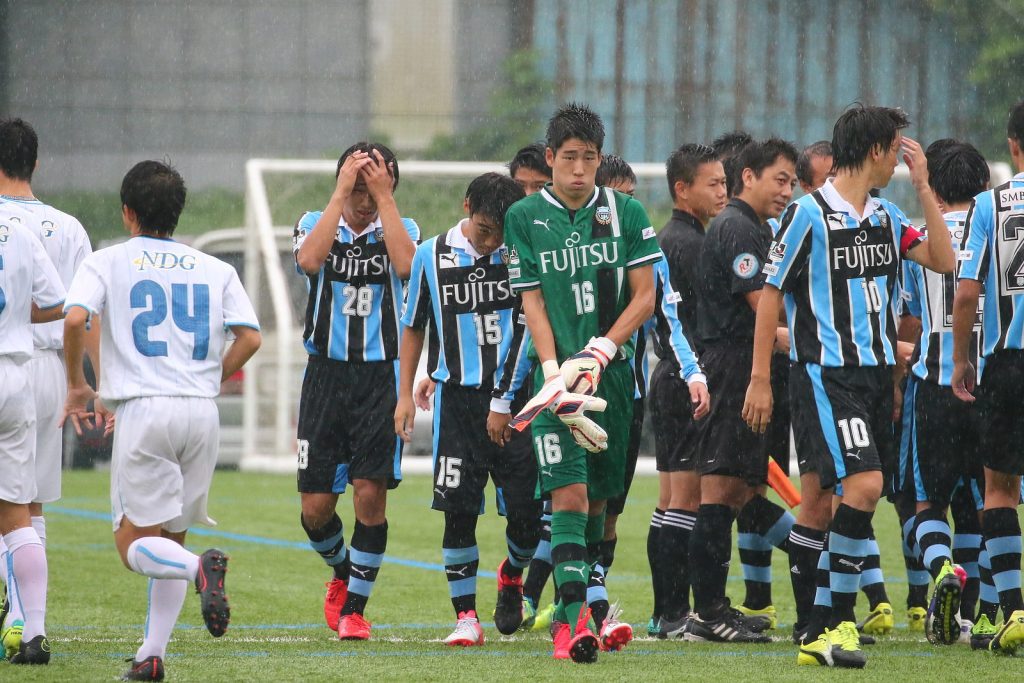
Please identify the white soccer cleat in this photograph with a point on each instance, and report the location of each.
(615, 634)
(467, 633)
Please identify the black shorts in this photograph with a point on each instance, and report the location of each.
(842, 418)
(676, 433)
(464, 456)
(346, 427)
(777, 435)
(942, 447)
(1001, 412)
(636, 428)
(727, 445)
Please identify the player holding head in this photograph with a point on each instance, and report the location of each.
(584, 258)
(66, 244)
(459, 290)
(696, 182)
(529, 168)
(940, 444)
(836, 260)
(32, 292)
(165, 310)
(991, 256)
(356, 253)
(814, 165)
(731, 461)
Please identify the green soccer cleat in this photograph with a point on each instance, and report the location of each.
(943, 628)
(1010, 635)
(529, 615)
(879, 622)
(916, 618)
(654, 628)
(542, 621)
(839, 648)
(982, 633)
(768, 613)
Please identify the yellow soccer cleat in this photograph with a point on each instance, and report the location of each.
(1010, 635)
(916, 617)
(768, 613)
(880, 621)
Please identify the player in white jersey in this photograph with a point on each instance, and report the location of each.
(30, 291)
(165, 310)
(66, 243)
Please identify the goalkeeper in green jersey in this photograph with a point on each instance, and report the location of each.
(581, 258)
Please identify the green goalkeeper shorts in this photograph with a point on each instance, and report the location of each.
(563, 462)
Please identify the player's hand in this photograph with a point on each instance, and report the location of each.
(76, 407)
(349, 173)
(582, 371)
(497, 427)
(554, 387)
(424, 392)
(405, 416)
(914, 158)
(757, 406)
(570, 409)
(700, 399)
(964, 378)
(782, 340)
(379, 177)
(904, 352)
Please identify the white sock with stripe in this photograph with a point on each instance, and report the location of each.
(166, 596)
(162, 558)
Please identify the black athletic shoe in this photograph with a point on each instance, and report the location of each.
(721, 625)
(149, 669)
(213, 565)
(35, 651)
(674, 629)
(753, 623)
(508, 611)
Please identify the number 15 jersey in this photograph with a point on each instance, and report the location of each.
(165, 309)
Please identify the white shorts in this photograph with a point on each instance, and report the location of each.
(165, 451)
(49, 384)
(17, 434)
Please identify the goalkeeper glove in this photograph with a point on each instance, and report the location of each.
(582, 371)
(568, 407)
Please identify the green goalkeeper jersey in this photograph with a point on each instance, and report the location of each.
(578, 259)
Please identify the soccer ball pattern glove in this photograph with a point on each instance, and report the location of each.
(582, 371)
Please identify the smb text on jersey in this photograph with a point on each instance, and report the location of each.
(993, 253)
(467, 303)
(355, 299)
(840, 277)
(579, 260)
(165, 309)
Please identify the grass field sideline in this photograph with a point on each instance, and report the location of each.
(97, 608)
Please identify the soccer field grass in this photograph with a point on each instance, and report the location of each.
(97, 608)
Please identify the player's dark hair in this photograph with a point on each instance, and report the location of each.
(1015, 126)
(860, 129)
(578, 121)
(491, 194)
(155, 191)
(804, 172)
(728, 146)
(683, 164)
(368, 147)
(614, 168)
(19, 148)
(760, 155)
(530, 157)
(956, 171)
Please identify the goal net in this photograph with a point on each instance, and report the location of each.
(278, 191)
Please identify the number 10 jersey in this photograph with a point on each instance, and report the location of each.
(165, 309)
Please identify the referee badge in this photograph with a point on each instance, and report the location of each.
(746, 266)
(603, 215)
(513, 256)
(504, 256)
(378, 234)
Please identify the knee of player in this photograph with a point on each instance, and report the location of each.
(862, 490)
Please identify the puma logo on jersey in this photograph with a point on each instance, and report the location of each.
(537, 221)
(440, 492)
(856, 566)
(448, 260)
(855, 456)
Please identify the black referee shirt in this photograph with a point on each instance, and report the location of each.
(732, 256)
(680, 240)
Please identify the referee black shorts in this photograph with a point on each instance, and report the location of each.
(842, 418)
(942, 448)
(465, 456)
(727, 445)
(676, 433)
(346, 426)
(1001, 412)
(617, 504)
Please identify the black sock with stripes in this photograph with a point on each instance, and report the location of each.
(653, 544)
(805, 546)
(673, 563)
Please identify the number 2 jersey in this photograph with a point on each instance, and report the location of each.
(355, 299)
(165, 309)
(579, 260)
(466, 301)
(993, 253)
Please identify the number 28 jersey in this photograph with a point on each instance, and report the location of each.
(165, 309)
(579, 261)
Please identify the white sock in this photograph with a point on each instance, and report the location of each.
(28, 560)
(161, 558)
(3, 562)
(14, 613)
(39, 524)
(166, 596)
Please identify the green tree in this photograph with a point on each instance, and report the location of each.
(994, 28)
(515, 107)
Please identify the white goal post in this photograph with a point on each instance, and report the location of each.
(273, 376)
